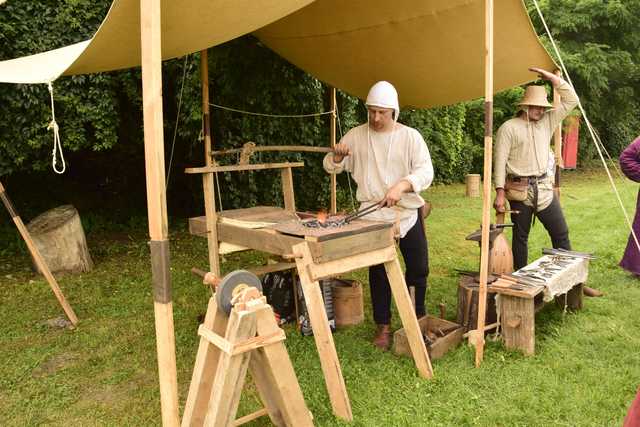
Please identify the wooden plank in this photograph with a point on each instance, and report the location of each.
(204, 369)
(260, 214)
(335, 249)
(275, 378)
(211, 220)
(37, 256)
(408, 316)
(349, 263)
(504, 287)
(151, 58)
(287, 190)
(264, 240)
(237, 168)
(231, 371)
(322, 335)
(517, 317)
(290, 148)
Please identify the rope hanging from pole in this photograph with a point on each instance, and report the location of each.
(57, 144)
(592, 132)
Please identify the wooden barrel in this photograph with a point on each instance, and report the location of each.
(348, 305)
(473, 185)
(59, 237)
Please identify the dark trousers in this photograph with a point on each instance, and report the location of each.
(551, 217)
(415, 252)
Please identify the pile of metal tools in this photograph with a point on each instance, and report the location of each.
(540, 273)
(335, 221)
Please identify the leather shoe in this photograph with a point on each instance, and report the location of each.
(382, 340)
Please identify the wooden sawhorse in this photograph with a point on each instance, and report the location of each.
(249, 339)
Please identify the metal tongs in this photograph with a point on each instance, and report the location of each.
(362, 212)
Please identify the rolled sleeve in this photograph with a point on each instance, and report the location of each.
(331, 167)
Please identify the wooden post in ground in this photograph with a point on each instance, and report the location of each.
(208, 184)
(332, 133)
(557, 144)
(486, 197)
(37, 257)
(151, 35)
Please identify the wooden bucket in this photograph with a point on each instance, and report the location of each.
(348, 305)
(473, 185)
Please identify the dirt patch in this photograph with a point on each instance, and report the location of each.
(54, 364)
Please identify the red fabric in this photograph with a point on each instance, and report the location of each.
(570, 142)
(633, 416)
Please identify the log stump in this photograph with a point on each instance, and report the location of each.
(59, 237)
(468, 290)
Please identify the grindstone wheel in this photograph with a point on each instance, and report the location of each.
(232, 284)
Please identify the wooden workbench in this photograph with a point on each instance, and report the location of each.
(320, 255)
(517, 307)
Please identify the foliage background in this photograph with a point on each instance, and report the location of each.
(101, 118)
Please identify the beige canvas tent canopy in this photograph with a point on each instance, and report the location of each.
(434, 51)
(431, 50)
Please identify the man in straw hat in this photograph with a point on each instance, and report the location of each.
(391, 165)
(521, 165)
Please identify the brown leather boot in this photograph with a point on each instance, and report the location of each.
(382, 340)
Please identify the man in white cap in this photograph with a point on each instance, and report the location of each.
(522, 158)
(391, 165)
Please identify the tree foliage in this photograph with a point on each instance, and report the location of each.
(101, 115)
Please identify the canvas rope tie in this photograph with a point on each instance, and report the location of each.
(57, 145)
(589, 126)
(185, 69)
(278, 116)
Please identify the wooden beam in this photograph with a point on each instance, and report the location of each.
(37, 257)
(253, 167)
(486, 197)
(212, 223)
(284, 148)
(322, 335)
(287, 189)
(350, 263)
(332, 141)
(151, 57)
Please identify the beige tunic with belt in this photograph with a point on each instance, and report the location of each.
(378, 161)
(523, 147)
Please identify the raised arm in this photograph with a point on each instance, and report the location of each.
(568, 97)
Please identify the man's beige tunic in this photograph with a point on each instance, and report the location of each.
(522, 147)
(378, 161)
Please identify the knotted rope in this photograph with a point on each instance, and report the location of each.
(57, 145)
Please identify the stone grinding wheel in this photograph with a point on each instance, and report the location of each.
(233, 283)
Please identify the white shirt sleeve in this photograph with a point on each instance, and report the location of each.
(421, 175)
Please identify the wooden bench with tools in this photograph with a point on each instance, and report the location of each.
(558, 275)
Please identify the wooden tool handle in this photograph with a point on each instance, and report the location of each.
(499, 217)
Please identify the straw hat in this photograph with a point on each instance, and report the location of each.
(535, 95)
(384, 95)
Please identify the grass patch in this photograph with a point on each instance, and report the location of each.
(585, 371)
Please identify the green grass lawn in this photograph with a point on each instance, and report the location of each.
(585, 372)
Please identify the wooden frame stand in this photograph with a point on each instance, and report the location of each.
(311, 272)
(250, 340)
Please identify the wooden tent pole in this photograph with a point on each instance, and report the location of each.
(40, 262)
(150, 32)
(557, 143)
(208, 178)
(486, 197)
(332, 133)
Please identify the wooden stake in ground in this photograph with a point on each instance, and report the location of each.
(478, 336)
(37, 257)
(150, 32)
(557, 144)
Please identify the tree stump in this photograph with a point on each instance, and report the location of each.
(59, 237)
(468, 291)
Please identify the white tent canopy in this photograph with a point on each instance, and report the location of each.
(431, 50)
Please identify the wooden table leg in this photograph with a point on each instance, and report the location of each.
(322, 334)
(517, 317)
(408, 316)
(573, 298)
